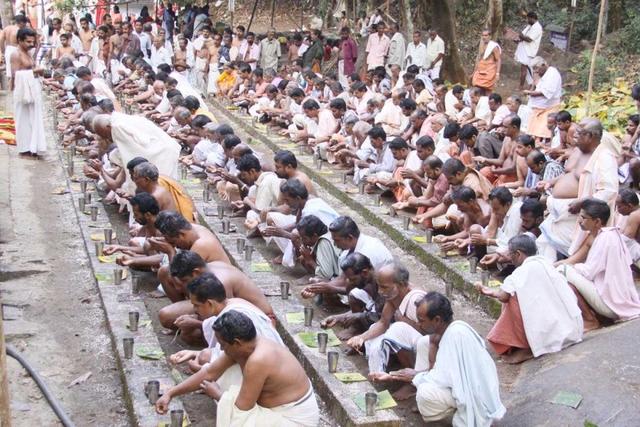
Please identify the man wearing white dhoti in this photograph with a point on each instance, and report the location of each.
(27, 97)
(528, 45)
(9, 41)
(285, 396)
(545, 98)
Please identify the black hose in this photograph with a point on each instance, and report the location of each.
(53, 402)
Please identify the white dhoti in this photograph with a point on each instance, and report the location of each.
(8, 50)
(283, 221)
(588, 290)
(435, 402)
(342, 78)
(116, 66)
(199, 75)
(27, 106)
(303, 412)
(212, 86)
(399, 336)
(524, 59)
(557, 229)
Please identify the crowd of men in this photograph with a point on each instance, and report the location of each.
(547, 204)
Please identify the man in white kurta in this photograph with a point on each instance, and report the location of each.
(416, 52)
(528, 45)
(544, 99)
(435, 54)
(396, 47)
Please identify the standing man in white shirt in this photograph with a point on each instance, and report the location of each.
(270, 51)
(396, 48)
(377, 47)
(528, 45)
(145, 39)
(416, 52)
(435, 54)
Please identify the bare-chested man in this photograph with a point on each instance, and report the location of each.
(85, 34)
(475, 211)
(503, 169)
(286, 167)
(9, 41)
(65, 50)
(590, 171)
(27, 96)
(185, 267)
(627, 219)
(274, 384)
(116, 42)
(145, 176)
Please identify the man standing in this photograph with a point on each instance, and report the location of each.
(9, 41)
(416, 52)
(487, 71)
(528, 45)
(249, 52)
(348, 56)
(435, 54)
(545, 98)
(377, 47)
(270, 51)
(27, 96)
(396, 47)
(312, 57)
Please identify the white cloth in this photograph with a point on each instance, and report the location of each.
(550, 314)
(434, 48)
(550, 84)
(304, 412)
(372, 248)
(418, 55)
(510, 227)
(102, 89)
(160, 56)
(27, 107)
(526, 51)
(8, 51)
(464, 366)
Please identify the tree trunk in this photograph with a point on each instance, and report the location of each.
(443, 20)
(592, 68)
(6, 12)
(407, 18)
(494, 18)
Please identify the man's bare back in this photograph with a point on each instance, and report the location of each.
(284, 379)
(304, 178)
(164, 198)
(208, 246)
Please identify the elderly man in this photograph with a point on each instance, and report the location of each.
(540, 312)
(435, 55)
(396, 47)
(545, 98)
(590, 171)
(317, 253)
(600, 268)
(270, 51)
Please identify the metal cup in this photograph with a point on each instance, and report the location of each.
(134, 318)
(284, 291)
(183, 173)
(206, 195)
(240, 242)
(220, 212)
(81, 203)
(83, 186)
(473, 265)
(127, 347)
(72, 148)
(153, 391)
(406, 221)
(135, 284)
(69, 156)
(70, 169)
(308, 316)
(323, 339)
(300, 149)
(392, 212)
(377, 199)
(429, 235)
(484, 276)
(361, 185)
(108, 236)
(225, 226)
(87, 197)
(371, 400)
(177, 416)
(344, 178)
(332, 361)
(248, 252)
(94, 213)
(448, 289)
(319, 163)
(99, 248)
(117, 276)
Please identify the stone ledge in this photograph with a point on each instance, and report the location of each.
(449, 270)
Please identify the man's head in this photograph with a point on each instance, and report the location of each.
(186, 266)
(433, 33)
(531, 214)
(182, 116)
(455, 171)
(26, 38)
(251, 38)
(249, 168)
(294, 194)
(84, 73)
(311, 108)
(511, 125)
(485, 36)
(451, 131)
(417, 37)
(338, 107)
(207, 294)
(380, 28)
(588, 135)
(377, 136)
(536, 160)
(432, 167)
(20, 20)
(64, 39)
(145, 208)
(399, 148)
(500, 200)
(495, 101)
(532, 17)
(357, 269)
(563, 120)
(468, 135)
(522, 247)
(434, 313)
(539, 65)
(627, 201)
(131, 164)
(632, 124)
(465, 198)
(393, 280)
(594, 215)
(425, 146)
(513, 103)
(174, 228)
(311, 228)
(286, 164)
(525, 144)
(345, 32)
(235, 332)
(344, 233)
(635, 95)
(145, 176)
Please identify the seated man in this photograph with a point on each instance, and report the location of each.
(209, 300)
(435, 187)
(503, 169)
(474, 212)
(317, 253)
(274, 386)
(294, 195)
(179, 234)
(169, 194)
(365, 303)
(346, 236)
(540, 170)
(393, 181)
(397, 331)
(286, 167)
(460, 380)
(524, 145)
(261, 190)
(540, 312)
(627, 219)
(185, 267)
(601, 268)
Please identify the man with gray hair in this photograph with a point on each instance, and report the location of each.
(545, 98)
(540, 312)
